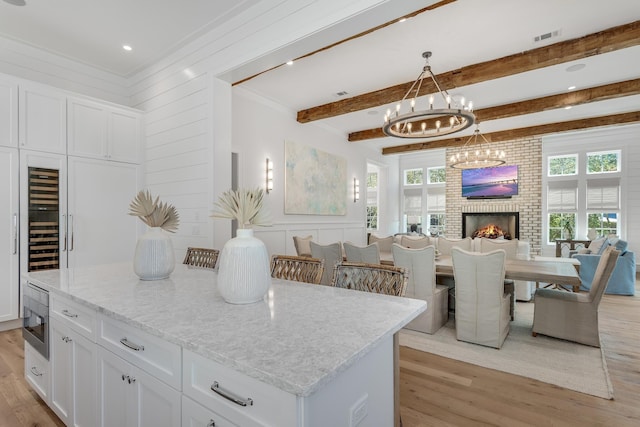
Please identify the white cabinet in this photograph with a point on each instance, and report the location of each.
(100, 231)
(101, 131)
(42, 119)
(9, 266)
(8, 113)
(195, 415)
(73, 375)
(36, 371)
(128, 396)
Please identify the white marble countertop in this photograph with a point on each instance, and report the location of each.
(297, 339)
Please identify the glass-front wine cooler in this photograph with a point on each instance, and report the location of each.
(44, 218)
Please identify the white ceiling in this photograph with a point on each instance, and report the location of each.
(461, 33)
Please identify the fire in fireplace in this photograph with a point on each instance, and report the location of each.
(491, 231)
(493, 225)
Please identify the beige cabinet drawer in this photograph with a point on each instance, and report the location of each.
(80, 318)
(258, 403)
(159, 358)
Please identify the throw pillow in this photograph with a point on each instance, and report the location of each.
(583, 251)
(302, 244)
(599, 245)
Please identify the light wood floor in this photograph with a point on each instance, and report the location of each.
(436, 391)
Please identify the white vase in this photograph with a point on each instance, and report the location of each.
(244, 274)
(154, 258)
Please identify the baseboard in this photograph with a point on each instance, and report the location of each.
(10, 324)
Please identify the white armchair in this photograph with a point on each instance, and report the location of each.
(420, 266)
(482, 307)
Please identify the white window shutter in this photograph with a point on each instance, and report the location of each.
(603, 194)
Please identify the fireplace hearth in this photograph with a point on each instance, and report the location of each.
(492, 225)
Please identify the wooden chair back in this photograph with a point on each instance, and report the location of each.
(201, 257)
(375, 278)
(297, 268)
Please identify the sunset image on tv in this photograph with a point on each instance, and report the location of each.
(500, 181)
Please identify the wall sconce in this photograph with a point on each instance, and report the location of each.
(269, 176)
(356, 190)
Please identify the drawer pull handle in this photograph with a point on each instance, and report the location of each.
(66, 339)
(35, 372)
(124, 341)
(230, 395)
(211, 423)
(68, 313)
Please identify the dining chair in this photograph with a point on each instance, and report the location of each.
(360, 276)
(201, 257)
(331, 254)
(446, 245)
(421, 284)
(482, 306)
(369, 254)
(297, 268)
(573, 316)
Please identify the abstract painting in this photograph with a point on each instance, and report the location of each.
(315, 181)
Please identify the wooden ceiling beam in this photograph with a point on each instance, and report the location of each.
(609, 40)
(578, 97)
(526, 132)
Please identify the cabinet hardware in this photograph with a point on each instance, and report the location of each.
(66, 339)
(71, 227)
(35, 372)
(124, 377)
(124, 341)
(131, 380)
(64, 232)
(229, 395)
(15, 233)
(68, 313)
(211, 423)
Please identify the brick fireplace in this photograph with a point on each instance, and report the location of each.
(491, 224)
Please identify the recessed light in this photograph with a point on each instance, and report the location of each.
(290, 62)
(575, 67)
(571, 88)
(568, 107)
(402, 20)
(127, 47)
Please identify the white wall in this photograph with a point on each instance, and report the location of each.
(260, 129)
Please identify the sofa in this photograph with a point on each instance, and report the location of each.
(519, 250)
(623, 278)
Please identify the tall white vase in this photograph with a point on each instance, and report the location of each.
(244, 274)
(154, 258)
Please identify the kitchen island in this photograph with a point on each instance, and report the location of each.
(307, 355)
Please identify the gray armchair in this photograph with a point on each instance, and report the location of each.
(574, 316)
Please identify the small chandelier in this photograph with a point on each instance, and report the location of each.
(430, 122)
(478, 158)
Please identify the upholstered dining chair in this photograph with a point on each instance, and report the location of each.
(201, 257)
(381, 279)
(482, 307)
(369, 254)
(446, 245)
(331, 254)
(573, 316)
(297, 268)
(421, 284)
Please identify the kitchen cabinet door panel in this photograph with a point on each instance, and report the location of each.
(8, 113)
(9, 275)
(42, 119)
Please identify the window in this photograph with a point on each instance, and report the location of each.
(603, 223)
(372, 201)
(413, 208)
(563, 165)
(561, 226)
(562, 204)
(436, 208)
(603, 162)
(413, 177)
(436, 175)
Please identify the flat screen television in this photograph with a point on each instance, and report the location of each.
(490, 183)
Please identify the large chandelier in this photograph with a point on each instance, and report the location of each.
(479, 158)
(407, 122)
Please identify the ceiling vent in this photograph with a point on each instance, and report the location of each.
(546, 36)
(342, 93)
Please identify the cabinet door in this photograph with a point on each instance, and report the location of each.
(42, 119)
(8, 113)
(9, 277)
(196, 415)
(157, 404)
(87, 128)
(114, 396)
(100, 229)
(61, 370)
(124, 136)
